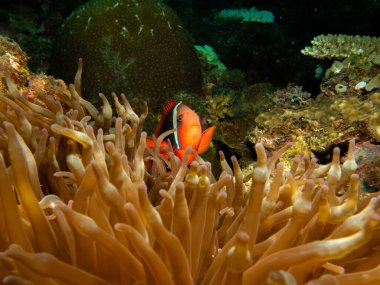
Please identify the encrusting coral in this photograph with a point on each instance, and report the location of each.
(76, 207)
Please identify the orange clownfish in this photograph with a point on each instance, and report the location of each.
(188, 130)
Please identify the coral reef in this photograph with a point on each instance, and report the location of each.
(85, 201)
(291, 97)
(346, 107)
(354, 83)
(319, 125)
(137, 47)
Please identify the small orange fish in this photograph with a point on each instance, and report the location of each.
(188, 130)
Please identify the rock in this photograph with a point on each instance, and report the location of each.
(135, 46)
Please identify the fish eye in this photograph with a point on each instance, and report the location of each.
(180, 118)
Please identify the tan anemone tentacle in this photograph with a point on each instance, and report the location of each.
(25, 176)
(79, 137)
(14, 228)
(180, 268)
(154, 263)
(86, 226)
(49, 266)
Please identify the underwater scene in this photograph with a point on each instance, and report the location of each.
(184, 142)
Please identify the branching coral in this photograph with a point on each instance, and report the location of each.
(92, 220)
(247, 15)
(343, 46)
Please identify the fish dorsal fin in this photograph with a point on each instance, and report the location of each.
(170, 105)
(206, 139)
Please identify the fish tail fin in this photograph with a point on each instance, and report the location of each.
(181, 153)
(206, 139)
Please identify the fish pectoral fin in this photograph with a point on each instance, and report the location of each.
(206, 139)
(151, 143)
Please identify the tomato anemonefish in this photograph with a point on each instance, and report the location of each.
(188, 130)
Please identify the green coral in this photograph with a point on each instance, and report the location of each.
(247, 15)
(134, 46)
(209, 57)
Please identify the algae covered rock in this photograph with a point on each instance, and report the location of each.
(133, 46)
(13, 63)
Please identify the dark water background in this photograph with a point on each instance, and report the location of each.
(264, 52)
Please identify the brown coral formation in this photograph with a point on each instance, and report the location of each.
(219, 107)
(76, 207)
(133, 46)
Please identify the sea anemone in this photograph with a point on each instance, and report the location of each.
(84, 201)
